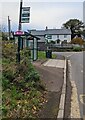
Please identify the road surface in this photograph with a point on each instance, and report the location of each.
(77, 70)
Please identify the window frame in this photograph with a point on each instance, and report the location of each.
(65, 36)
(58, 36)
(49, 37)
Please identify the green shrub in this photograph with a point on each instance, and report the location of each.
(76, 49)
(33, 75)
(8, 75)
(15, 94)
(19, 95)
(5, 83)
(4, 110)
(9, 50)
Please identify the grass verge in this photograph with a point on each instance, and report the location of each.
(42, 55)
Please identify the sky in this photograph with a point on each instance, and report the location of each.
(51, 13)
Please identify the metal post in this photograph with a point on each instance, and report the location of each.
(20, 15)
(9, 27)
(19, 39)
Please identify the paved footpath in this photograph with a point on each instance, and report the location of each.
(55, 63)
(52, 75)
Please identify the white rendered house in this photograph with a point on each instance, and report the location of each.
(56, 35)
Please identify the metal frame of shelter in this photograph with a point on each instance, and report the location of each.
(31, 42)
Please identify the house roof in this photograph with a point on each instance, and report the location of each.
(29, 34)
(37, 32)
(58, 31)
(51, 32)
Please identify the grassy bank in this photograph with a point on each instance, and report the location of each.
(22, 91)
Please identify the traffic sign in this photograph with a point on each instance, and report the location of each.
(25, 17)
(25, 20)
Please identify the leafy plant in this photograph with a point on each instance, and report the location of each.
(5, 83)
(33, 75)
(76, 49)
(21, 96)
(78, 41)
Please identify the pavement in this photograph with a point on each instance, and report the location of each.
(55, 63)
(53, 76)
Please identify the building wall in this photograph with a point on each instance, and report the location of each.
(41, 42)
(61, 37)
(41, 46)
(42, 38)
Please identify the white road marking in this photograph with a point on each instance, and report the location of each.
(70, 55)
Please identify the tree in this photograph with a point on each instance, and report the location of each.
(78, 41)
(83, 33)
(76, 27)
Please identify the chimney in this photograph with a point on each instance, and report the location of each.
(46, 28)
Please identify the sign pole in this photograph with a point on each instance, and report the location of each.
(20, 16)
(19, 39)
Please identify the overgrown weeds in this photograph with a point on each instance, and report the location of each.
(22, 94)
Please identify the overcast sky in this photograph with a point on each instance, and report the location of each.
(51, 13)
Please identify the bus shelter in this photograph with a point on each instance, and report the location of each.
(30, 41)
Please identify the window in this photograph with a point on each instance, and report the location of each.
(65, 36)
(49, 36)
(65, 42)
(58, 36)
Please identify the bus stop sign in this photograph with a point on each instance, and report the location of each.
(18, 33)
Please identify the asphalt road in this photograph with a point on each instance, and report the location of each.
(78, 72)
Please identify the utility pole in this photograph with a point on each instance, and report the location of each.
(19, 28)
(9, 27)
